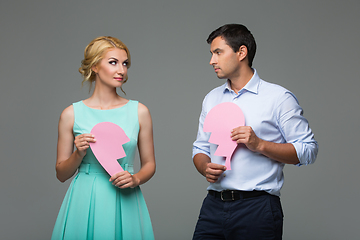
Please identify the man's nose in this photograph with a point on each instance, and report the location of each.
(212, 60)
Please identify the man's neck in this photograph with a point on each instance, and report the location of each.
(238, 83)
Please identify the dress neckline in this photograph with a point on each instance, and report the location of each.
(104, 109)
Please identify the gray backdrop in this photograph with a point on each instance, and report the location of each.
(309, 47)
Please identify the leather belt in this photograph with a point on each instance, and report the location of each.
(232, 195)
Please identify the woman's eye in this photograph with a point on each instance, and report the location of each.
(125, 64)
(112, 62)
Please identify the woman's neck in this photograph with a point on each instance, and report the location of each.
(105, 98)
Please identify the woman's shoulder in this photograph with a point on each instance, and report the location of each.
(143, 112)
(142, 108)
(67, 114)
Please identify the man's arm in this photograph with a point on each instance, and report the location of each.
(299, 147)
(281, 152)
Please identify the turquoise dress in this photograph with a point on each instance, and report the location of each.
(93, 208)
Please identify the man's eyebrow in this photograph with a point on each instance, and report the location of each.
(215, 50)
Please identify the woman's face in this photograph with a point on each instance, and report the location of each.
(112, 69)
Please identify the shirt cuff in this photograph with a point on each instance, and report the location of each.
(198, 150)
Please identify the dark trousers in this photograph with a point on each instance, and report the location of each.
(257, 218)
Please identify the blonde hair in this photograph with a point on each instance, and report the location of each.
(94, 53)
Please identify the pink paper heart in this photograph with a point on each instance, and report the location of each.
(108, 146)
(220, 120)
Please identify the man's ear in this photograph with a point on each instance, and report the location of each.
(243, 52)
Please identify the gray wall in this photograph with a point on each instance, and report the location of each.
(309, 47)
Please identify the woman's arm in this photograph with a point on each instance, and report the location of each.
(68, 160)
(146, 153)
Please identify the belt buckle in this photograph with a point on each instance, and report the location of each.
(227, 200)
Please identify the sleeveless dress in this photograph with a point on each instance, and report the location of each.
(93, 208)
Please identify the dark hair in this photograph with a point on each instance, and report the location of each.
(236, 35)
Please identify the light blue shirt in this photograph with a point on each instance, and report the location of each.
(274, 114)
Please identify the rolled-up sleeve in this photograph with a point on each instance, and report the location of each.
(201, 144)
(296, 130)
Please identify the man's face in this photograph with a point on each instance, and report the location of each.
(224, 60)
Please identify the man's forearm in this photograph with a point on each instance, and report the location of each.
(281, 152)
(200, 161)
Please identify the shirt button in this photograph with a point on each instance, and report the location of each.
(224, 175)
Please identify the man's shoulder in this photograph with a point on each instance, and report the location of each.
(217, 91)
(214, 97)
(275, 92)
(272, 86)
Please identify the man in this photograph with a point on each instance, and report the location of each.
(244, 203)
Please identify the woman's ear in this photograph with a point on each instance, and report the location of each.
(94, 68)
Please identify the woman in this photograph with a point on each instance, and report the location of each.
(96, 207)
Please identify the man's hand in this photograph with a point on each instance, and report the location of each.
(213, 171)
(246, 135)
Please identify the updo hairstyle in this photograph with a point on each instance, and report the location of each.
(94, 53)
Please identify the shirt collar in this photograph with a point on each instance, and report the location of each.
(251, 86)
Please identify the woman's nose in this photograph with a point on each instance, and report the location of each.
(121, 69)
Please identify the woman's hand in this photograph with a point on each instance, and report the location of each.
(82, 143)
(125, 180)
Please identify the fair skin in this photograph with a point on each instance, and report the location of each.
(110, 74)
(234, 67)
